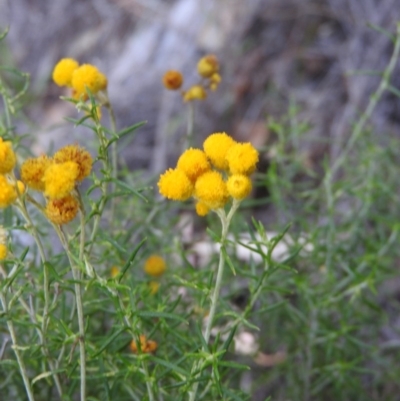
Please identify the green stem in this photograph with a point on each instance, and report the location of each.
(225, 221)
(357, 131)
(46, 289)
(144, 367)
(109, 167)
(114, 156)
(76, 274)
(188, 142)
(20, 361)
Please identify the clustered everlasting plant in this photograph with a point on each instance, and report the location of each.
(106, 300)
(49, 187)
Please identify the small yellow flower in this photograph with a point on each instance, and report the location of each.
(211, 190)
(21, 187)
(215, 80)
(114, 272)
(74, 153)
(8, 194)
(7, 157)
(242, 158)
(62, 73)
(216, 147)
(208, 65)
(202, 209)
(175, 185)
(194, 163)
(32, 172)
(172, 80)
(3, 251)
(85, 77)
(146, 345)
(239, 186)
(62, 211)
(59, 179)
(155, 266)
(194, 92)
(154, 287)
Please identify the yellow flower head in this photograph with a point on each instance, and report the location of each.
(215, 80)
(202, 209)
(62, 73)
(59, 179)
(172, 80)
(114, 271)
(208, 65)
(74, 153)
(239, 186)
(155, 266)
(194, 92)
(175, 185)
(154, 287)
(62, 211)
(242, 158)
(211, 190)
(3, 251)
(216, 147)
(32, 172)
(8, 194)
(146, 345)
(87, 76)
(7, 157)
(194, 163)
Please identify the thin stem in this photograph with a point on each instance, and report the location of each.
(15, 347)
(46, 290)
(190, 125)
(110, 172)
(144, 367)
(225, 221)
(76, 274)
(114, 155)
(384, 84)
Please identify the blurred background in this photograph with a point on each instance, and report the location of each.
(273, 54)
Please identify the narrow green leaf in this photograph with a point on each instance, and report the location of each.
(126, 131)
(109, 341)
(235, 365)
(4, 33)
(44, 375)
(130, 259)
(161, 315)
(382, 31)
(169, 365)
(128, 188)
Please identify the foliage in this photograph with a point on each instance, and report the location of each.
(81, 317)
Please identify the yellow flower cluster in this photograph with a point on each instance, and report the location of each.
(57, 177)
(68, 72)
(212, 175)
(208, 69)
